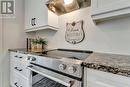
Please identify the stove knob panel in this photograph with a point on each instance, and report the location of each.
(62, 66)
(72, 69)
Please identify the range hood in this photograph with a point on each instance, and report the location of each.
(60, 7)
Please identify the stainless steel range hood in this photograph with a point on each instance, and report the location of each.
(60, 7)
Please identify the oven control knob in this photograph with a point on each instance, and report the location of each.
(72, 69)
(33, 59)
(62, 66)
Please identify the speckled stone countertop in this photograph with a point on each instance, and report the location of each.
(116, 64)
(21, 50)
(24, 51)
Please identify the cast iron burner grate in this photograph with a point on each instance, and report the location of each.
(45, 82)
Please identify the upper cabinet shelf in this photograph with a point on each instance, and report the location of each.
(38, 17)
(107, 9)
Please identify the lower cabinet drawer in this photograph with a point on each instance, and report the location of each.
(18, 81)
(20, 67)
(18, 57)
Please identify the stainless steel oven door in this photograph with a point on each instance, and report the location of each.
(64, 80)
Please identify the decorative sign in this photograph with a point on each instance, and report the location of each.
(74, 32)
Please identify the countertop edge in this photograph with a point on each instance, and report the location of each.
(108, 69)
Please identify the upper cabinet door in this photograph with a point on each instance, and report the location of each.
(106, 9)
(28, 14)
(38, 17)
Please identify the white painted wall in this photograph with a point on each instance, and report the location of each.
(13, 36)
(110, 37)
(0, 51)
(0, 36)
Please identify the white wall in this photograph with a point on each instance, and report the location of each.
(13, 37)
(110, 37)
(0, 51)
(0, 36)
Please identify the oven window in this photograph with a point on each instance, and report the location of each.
(40, 81)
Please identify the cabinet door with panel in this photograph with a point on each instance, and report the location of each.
(103, 9)
(95, 78)
(29, 14)
(38, 17)
(40, 13)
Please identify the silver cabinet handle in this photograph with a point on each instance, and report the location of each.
(18, 69)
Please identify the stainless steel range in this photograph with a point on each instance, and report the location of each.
(58, 68)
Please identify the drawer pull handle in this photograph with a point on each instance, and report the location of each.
(16, 56)
(18, 69)
(20, 57)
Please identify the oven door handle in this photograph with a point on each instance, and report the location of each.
(69, 84)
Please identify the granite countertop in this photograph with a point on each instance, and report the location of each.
(113, 63)
(25, 51)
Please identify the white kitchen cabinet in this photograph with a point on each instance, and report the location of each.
(21, 68)
(19, 74)
(38, 17)
(107, 9)
(18, 57)
(95, 78)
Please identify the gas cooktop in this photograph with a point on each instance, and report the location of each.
(68, 53)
